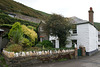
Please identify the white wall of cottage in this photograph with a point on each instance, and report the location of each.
(56, 40)
(87, 36)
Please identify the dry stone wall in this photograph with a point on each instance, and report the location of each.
(23, 59)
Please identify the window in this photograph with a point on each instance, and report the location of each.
(74, 31)
(41, 29)
(74, 41)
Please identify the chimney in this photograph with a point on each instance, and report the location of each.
(91, 15)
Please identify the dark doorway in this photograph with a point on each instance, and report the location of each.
(74, 42)
(53, 41)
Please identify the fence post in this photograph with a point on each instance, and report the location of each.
(83, 51)
(76, 53)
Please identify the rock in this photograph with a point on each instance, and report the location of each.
(11, 54)
(27, 54)
(30, 53)
(39, 53)
(16, 55)
(23, 54)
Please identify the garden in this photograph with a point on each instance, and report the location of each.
(23, 43)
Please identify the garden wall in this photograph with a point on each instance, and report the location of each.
(23, 59)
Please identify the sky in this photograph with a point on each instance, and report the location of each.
(66, 8)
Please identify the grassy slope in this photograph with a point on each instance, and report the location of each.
(5, 19)
(97, 25)
(12, 6)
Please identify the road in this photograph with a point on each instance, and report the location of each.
(88, 61)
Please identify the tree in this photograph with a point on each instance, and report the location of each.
(58, 26)
(16, 33)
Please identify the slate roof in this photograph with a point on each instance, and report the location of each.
(76, 20)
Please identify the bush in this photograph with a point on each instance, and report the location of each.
(6, 25)
(47, 44)
(16, 33)
(31, 34)
(38, 45)
(32, 49)
(26, 42)
(14, 48)
(31, 27)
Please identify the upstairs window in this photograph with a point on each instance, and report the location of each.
(41, 29)
(74, 31)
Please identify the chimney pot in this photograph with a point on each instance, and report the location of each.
(91, 8)
(91, 15)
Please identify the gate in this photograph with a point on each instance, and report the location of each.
(80, 52)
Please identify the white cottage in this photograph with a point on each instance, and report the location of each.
(85, 34)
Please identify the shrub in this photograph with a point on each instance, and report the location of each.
(6, 25)
(31, 34)
(16, 33)
(31, 27)
(39, 45)
(73, 46)
(25, 42)
(47, 43)
(33, 49)
(14, 48)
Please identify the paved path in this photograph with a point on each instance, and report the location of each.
(89, 61)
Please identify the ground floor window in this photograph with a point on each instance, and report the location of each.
(74, 42)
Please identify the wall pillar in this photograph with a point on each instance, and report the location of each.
(76, 53)
(57, 44)
(83, 51)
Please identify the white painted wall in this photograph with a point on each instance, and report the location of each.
(83, 35)
(70, 38)
(56, 40)
(93, 38)
(87, 36)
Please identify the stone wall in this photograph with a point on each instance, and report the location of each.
(30, 58)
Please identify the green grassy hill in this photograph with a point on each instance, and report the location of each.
(5, 19)
(12, 6)
(97, 25)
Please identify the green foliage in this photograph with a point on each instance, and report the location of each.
(20, 34)
(47, 44)
(14, 48)
(97, 25)
(31, 27)
(39, 45)
(15, 33)
(30, 34)
(26, 42)
(32, 49)
(6, 25)
(2, 62)
(5, 19)
(58, 26)
(73, 46)
(12, 6)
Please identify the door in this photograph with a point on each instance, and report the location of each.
(53, 41)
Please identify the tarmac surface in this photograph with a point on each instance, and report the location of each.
(88, 61)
